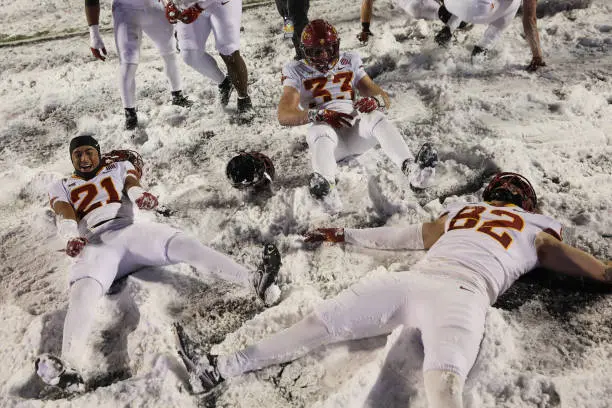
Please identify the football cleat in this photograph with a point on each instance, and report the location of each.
(244, 104)
(225, 90)
(53, 371)
(422, 171)
(203, 373)
(267, 272)
(131, 120)
(318, 186)
(179, 99)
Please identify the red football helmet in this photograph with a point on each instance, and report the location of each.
(512, 188)
(321, 45)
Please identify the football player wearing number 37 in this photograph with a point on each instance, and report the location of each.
(321, 90)
(94, 209)
(476, 252)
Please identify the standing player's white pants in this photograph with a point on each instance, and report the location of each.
(129, 24)
(329, 145)
(449, 313)
(222, 19)
(420, 9)
(497, 13)
(114, 254)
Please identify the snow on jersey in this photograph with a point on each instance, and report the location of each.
(99, 199)
(498, 243)
(333, 90)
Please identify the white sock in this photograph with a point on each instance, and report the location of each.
(128, 84)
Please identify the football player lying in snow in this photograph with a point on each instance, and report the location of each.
(94, 208)
(321, 90)
(476, 252)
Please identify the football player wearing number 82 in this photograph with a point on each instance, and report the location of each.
(476, 251)
(94, 209)
(320, 89)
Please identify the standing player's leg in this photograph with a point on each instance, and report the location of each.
(420, 9)
(225, 20)
(420, 170)
(298, 13)
(161, 32)
(128, 35)
(192, 40)
(322, 141)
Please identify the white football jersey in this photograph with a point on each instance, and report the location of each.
(140, 4)
(498, 243)
(99, 199)
(333, 90)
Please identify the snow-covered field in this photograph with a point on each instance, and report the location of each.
(548, 341)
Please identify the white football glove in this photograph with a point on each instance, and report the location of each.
(95, 43)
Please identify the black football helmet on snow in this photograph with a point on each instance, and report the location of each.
(250, 169)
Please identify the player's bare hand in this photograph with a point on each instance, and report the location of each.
(364, 36)
(536, 62)
(75, 246)
(146, 201)
(191, 14)
(334, 118)
(96, 44)
(172, 12)
(325, 235)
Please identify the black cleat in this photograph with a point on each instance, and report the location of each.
(244, 104)
(443, 37)
(179, 99)
(427, 156)
(267, 272)
(131, 120)
(225, 90)
(203, 374)
(319, 187)
(53, 371)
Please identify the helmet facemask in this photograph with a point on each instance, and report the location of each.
(323, 57)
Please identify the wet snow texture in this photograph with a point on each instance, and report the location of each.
(548, 340)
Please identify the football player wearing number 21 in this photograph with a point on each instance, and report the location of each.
(320, 89)
(95, 215)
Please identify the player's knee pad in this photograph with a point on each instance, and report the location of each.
(372, 119)
(321, 131)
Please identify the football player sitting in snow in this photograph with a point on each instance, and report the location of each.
(498, 14)
(321, 90)
(476, 252)
(95, 215)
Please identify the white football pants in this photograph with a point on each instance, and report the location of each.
(498, 14)
(449, 313)
(121, 252)
(329, 145)
(129, 24)
(420, 9)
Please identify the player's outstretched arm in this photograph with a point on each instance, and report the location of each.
(367, 87)
(560, 257)
(67, 228)
(415, 236)
(530, 26)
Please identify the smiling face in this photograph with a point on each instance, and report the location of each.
(85, 159)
